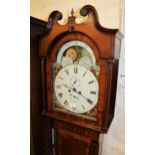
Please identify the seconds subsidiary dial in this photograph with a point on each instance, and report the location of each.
(76, 88)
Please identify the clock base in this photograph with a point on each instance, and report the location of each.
(74, 140)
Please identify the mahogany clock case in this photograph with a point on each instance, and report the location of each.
(105, 44)
(40, 126)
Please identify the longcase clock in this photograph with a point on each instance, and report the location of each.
(79, 65)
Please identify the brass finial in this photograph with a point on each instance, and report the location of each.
(72, 12)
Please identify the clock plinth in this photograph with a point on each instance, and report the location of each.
(71, 139)
(79, 65)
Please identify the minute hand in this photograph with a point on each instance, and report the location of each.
(74, 89)
(88, 100)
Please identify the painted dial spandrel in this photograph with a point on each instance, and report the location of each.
(76, 88)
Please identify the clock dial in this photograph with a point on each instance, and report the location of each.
(76, 88)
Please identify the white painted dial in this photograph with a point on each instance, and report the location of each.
(76, 88)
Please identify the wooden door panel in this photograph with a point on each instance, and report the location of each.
(69, 144)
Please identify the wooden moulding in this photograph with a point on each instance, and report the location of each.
(104, 37)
